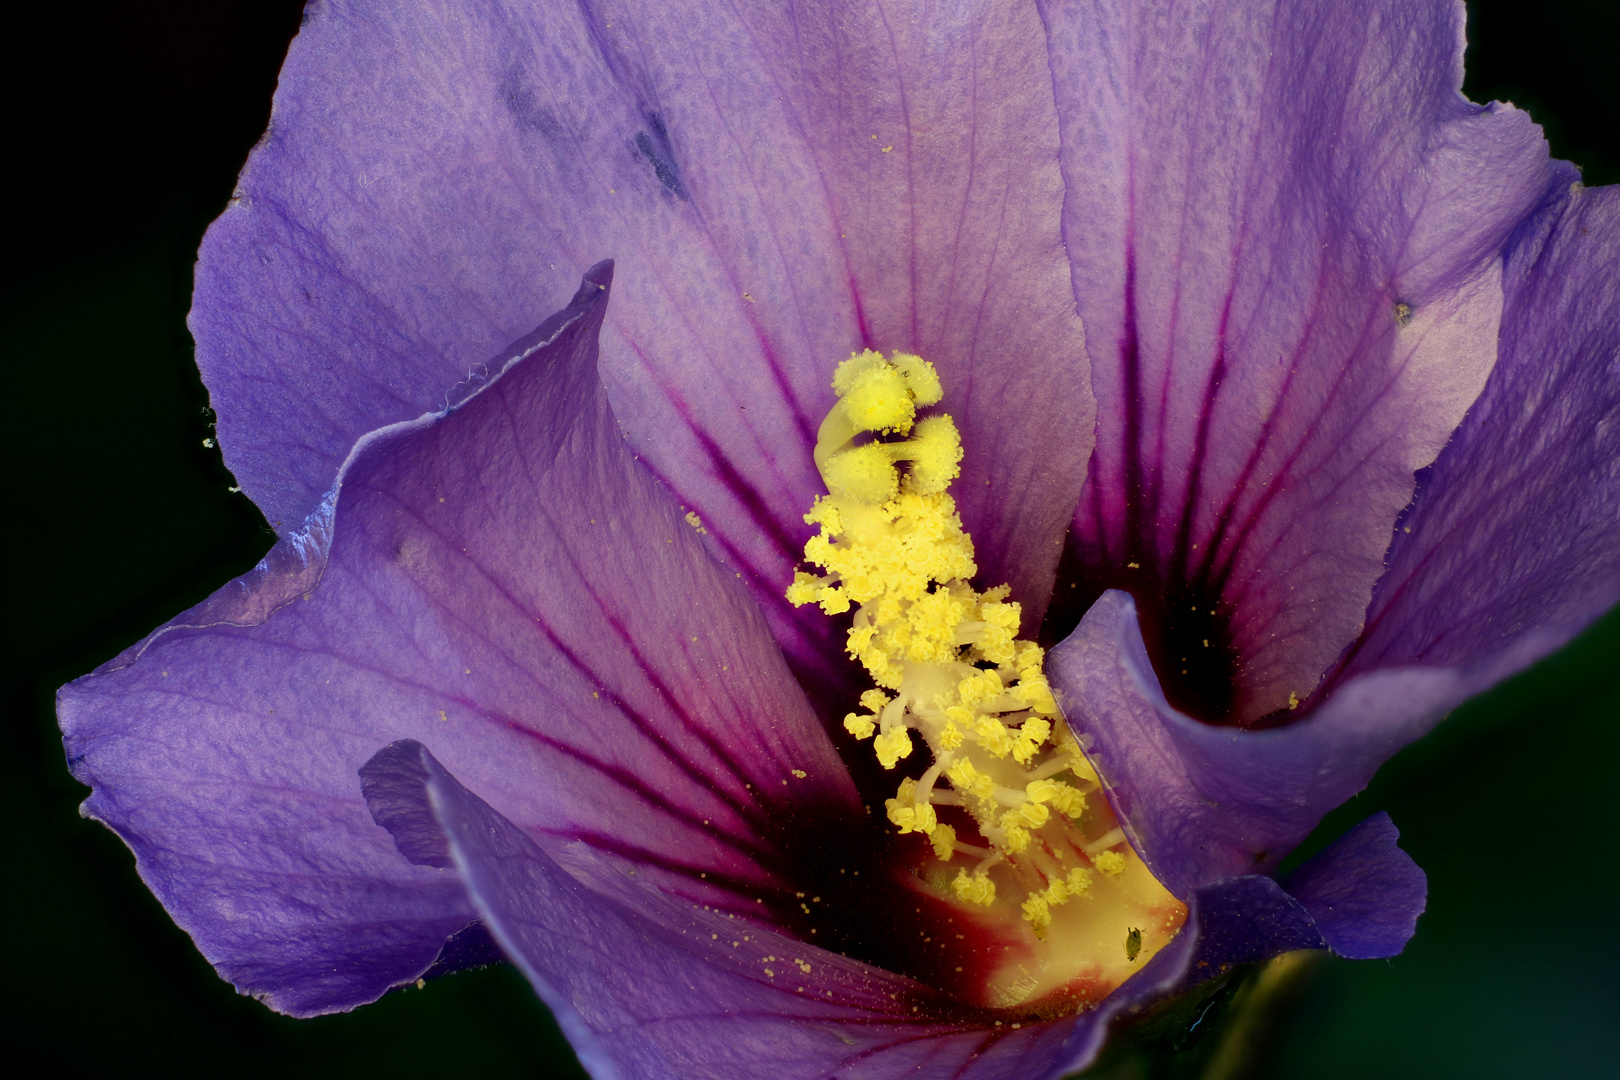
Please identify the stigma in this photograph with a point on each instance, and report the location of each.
(1007, 812)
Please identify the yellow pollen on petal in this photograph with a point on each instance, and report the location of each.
(1006, 771)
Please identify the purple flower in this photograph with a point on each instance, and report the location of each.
(1288, 383)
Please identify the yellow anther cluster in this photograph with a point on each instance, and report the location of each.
(970, 781)
(868, 385)
(1038, 906)
(1060, 796)
(878, 395)
(1111, 863)
(891, 545)
(886, 557)
(974, 889)
(891, 746)
(861, 727)
(908, 814)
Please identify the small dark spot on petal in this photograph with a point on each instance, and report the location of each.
(525, 109)
(653, 144)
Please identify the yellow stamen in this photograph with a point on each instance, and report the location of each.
(878, 400)
(864, 474)
(891, 746)
(861, 727)
(977, 889)
(891, 546)
(1111, 863)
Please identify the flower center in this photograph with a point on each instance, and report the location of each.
(1010, 823)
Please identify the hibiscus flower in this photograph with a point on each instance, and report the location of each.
(1285, 385)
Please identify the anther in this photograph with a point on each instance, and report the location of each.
(863, 474)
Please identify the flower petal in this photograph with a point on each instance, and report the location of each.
(901, 174)
(1512, 549)
(505, 584)
(780, 186)
(645, 986)
(1513, 543)
(1284, 220)
(1203, 803)
(1364, 893)
(1244, 920)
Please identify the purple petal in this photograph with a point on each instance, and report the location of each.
(779, 185)
(1364, 893)
(1252, 189)
(1247, 919)
(1513, 544)
(498, 587)
(392, 783)
(1203, 803)
(645, 986)
(572, 926)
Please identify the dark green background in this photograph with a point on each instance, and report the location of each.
(127, 125)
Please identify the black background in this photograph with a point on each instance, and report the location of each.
(126, 125)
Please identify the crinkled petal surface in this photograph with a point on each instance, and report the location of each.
(506, 585)
(780, 183)
(1285, 222)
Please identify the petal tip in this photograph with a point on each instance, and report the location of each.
(1364, 892)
